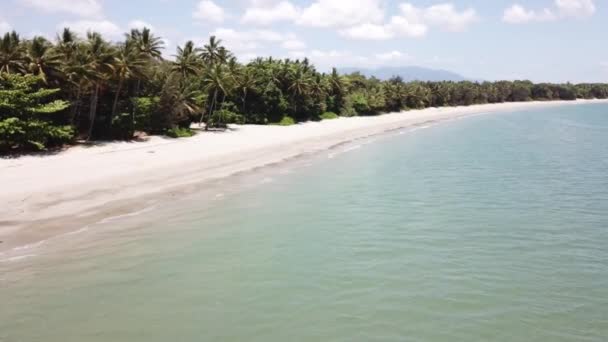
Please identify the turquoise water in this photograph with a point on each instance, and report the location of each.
(491, 228)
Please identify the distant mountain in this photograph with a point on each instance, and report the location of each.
(408, 73)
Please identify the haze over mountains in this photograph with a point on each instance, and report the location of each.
(408, 73)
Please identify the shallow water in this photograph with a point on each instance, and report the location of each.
(490, 228)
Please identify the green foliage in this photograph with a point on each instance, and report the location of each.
(179, 104)
(28, 116)
(143, 110)
(179, 132)
(359, 103)
(20, 96)
(32, 135)
(348, 108)
(221, 118)
(285, 121)
(328, 116)
(123, 126)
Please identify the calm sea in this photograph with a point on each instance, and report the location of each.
(491, 228)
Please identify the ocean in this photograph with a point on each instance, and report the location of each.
(489, 228)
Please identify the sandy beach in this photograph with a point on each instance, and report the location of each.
(47, 195)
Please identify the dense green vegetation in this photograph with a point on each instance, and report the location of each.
(52, 93)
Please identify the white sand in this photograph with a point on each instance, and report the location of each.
(39, 192)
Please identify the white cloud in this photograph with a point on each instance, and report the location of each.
(362, 19)
(575, 8)
(36, 33)
(412, 21)
(104, 27)
(247, 57)
(250, 40)
(518, 14)
(330, 58)
(448, 18)
(293, 44)
(368, 32)
(392, 56)
(326, 59)
(140, 24)
(265, 14)
(341, 13)
(207, 10)
(4, 27)
(408, 26)
(84, 8)
(263, 3)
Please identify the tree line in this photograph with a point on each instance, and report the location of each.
(52, 93)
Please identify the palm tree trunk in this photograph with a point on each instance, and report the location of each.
(115, 105)
(93, 110)
(244, 100)
(76, 107)
(211, 109)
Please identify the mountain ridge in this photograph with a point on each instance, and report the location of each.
(407, 73)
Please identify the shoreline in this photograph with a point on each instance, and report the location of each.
(48, 195)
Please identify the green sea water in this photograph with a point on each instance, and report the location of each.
(490, 228)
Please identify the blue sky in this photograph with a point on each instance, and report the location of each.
(541, 40)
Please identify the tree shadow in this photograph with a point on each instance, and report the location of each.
(49, 152)
(100, 143)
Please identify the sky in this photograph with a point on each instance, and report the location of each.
(539, 40)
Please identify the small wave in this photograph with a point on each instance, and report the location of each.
(18, 258)
(351, 148)
(30, 246)
(81, 230)
(267, 180)
(135, 213)
(347, 149)
(417, 128)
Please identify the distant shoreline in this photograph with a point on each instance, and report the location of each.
(44, 196)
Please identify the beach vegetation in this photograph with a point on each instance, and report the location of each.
(286, 121)
(79, 88)
(30, 115)
(328, 116)
(179, 132)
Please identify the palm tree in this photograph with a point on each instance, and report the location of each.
(214, 80)
(12, 57)
(318, 88)
(187, 62)
(78, 74)
(101, 66)
(129, 63)
(224, 56)
(147, 43)
(338, 87)
(184, 98)
(213, 52)
(67, 44)
(439, 94)
(43, 61)
(246, 83)
(299, 85)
